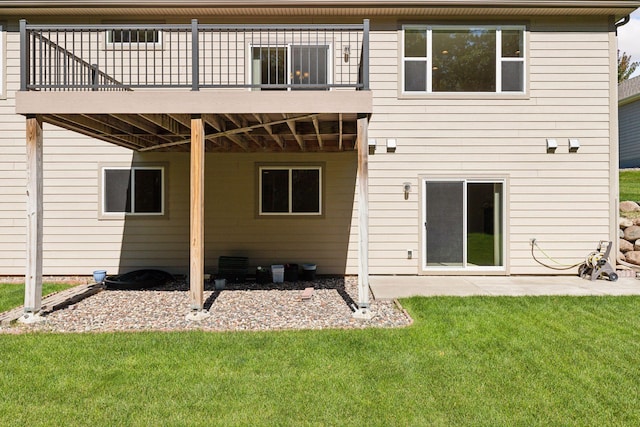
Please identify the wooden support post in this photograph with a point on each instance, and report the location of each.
(33, 277)
(196, 271)
(363, 219)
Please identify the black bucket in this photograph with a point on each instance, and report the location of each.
(309, 272)
(291, 272)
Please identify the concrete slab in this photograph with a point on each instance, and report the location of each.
(389, 287)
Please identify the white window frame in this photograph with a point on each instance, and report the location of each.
(503, 241)
(288, 47)
(132, 169)
(109, 44)
(291, 168)
(499, 59)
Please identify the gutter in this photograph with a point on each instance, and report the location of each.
(623, 21)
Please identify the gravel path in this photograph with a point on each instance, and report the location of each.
(247, 307)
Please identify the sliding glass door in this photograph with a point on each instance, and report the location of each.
(298, 66)
(463, 224)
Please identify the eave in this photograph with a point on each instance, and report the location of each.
(284, 8)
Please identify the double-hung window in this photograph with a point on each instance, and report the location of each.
(290, 190)
(135, 190)
(463, 59)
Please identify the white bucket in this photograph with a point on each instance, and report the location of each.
(277, 272)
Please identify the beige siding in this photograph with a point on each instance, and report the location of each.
(561, 199)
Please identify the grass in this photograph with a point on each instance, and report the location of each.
(630, 185)
(466, 361)
(12, 295)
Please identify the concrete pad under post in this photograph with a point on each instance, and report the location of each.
(363, 313)
(31, 318)
(197, 315)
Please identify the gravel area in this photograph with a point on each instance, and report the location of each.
(245, 307)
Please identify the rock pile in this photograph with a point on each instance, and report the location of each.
(629, 234)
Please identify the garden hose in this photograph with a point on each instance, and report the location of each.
(564, 266)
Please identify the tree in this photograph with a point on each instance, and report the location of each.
(626, 66)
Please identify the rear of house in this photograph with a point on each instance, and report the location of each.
(487, 124)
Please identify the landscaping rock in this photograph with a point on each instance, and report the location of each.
(621, 233)
(625, 222)
(632, 233)
(239, 307)
(621, 257)
(629, 206)
(633, 257)
(626, 246)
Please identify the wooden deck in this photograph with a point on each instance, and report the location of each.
(54, 301)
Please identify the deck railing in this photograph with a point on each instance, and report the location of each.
(195, 56)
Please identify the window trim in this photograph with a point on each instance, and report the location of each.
(290, 167)
(120, 215)
(429, 60)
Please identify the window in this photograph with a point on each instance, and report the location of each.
(463, 59)
(290, 190)
(133, 36)
(297, 66)
(133, 191)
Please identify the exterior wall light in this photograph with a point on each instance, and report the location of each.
(552, 144)
(372, 145)
(574, 144)
(391, 145)
(406, 187)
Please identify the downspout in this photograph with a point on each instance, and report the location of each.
(622, 22)
(614, 160)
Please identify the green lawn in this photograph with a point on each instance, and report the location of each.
(478, 361)
(12, 295)
(630, 185)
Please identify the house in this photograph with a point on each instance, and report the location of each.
(368, 137)
(629, 122)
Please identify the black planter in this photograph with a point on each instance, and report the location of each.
(263, 276)
(291, 272)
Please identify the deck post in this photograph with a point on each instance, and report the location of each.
(363, 311)
(33, 277)
(196, 268)
(195, 56)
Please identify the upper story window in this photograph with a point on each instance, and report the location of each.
(463, 59)
(133, 36)
(133, 190)
(290, 190)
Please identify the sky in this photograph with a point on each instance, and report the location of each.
(629, 39)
